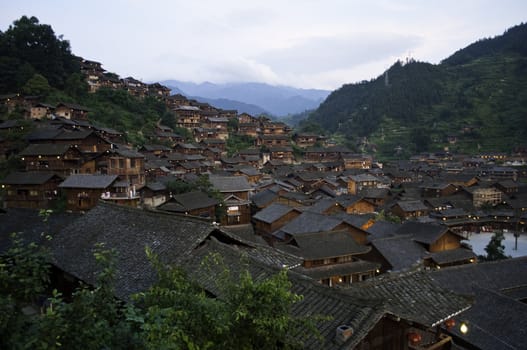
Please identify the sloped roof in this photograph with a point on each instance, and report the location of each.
(348, 268)
(452, 255)
(426, 233)
(45, 149)
(129, 231)
(309, 222)
(29, 178)
(413, 296)
(322, 245)
(401, 251)
(88, 181)
(264, 197)
(498, 319)
(194, 200)
(317, 299)
(383, 229)
(412, 205)
(74, 135)
(273, 212)
(230, 183)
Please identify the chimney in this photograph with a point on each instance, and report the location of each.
(343, 333)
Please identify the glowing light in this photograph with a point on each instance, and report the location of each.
(463, 328)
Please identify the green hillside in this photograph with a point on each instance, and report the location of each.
(476, 99)
(35, 61)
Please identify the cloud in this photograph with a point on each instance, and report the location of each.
(320, 54)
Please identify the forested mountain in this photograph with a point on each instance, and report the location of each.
(474, 100)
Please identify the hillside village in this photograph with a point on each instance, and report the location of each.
(352, 231)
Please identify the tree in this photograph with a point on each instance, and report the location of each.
(31, 44)
(174, 313)
(495, 248)
(37, 86)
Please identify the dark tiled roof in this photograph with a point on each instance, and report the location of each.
(128, 231)
(264, 197)
(194, 200)
(400, 251)
(452, 255)
(88, 181)
(273, 212)
(413, 296)
(496, 321)
(45, 149)
(383, 229)
(321, 245)
(29, 178)
(30, 225)
(412, 205)
(46, 133)
(422, 232)
(317, 299)
(230, 183)
(327, 271)
(74, 135)
(309, 222)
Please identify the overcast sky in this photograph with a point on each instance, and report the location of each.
(308, 44)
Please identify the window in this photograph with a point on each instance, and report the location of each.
(132, 163)
(33, 193)
(121, 163)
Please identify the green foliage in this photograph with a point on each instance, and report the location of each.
(382, 216)
(495, 249)
(37, 86)
(28, 47)
(174, 313)
(416, 105)
(236, 143)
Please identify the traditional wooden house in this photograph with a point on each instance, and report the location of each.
(63, 159)
(197, 204)
(409, 209)
(41, 110)
(272, 218)
(331, 258)
(249, 129)
(310, 222)
(357, 182)
(275, 128)
(305, 140)
(235, 191)
(129, 165)
(32, 189)
(273, 140)
(158, 151)
(357, 161)
(217, 123)
(153, 194)
(158, 90)
(356, 204)
(188, 117)
(71, 111)
(214, 143)
(284, 154)
(176, 100)
(438, 190)
(374, 314)
(508, 187)
(88, 141)
(83, 191)
(187, 148)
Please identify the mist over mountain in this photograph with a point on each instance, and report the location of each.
(277, 100)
